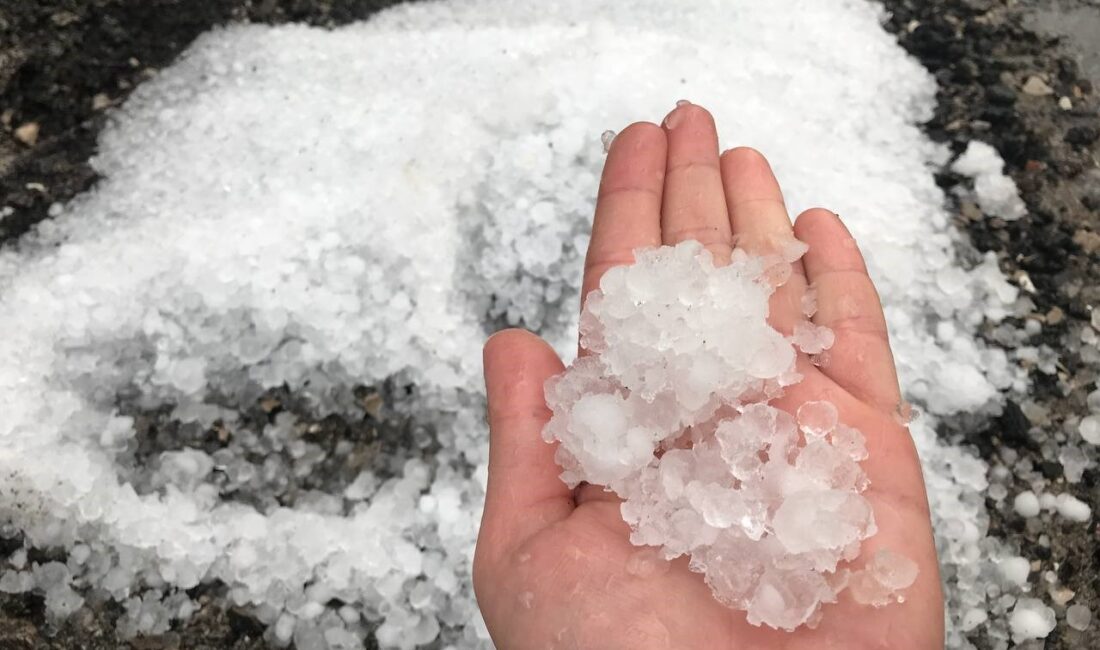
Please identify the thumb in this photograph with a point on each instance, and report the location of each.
(524, 493)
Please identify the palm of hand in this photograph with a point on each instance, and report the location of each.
(554, 566)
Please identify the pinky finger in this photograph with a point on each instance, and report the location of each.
(860, 360)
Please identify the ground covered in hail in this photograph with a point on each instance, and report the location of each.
(335, 236)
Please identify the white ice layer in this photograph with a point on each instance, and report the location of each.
(767, 504)
(323, 208)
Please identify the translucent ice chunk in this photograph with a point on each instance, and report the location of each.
(787, 600)
(893, 571)
(849, 441)
(809, 302)
(813, 339)
(830, 519)
(1031, 619)
(606, 138)
(670, 410)
(1079, 617)
(817, 419)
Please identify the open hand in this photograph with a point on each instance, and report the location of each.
(554, 567)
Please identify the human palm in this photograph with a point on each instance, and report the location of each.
(554, 566)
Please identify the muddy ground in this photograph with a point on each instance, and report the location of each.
(64, 62)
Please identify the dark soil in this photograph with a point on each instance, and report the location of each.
(983, 52)
(63, 62)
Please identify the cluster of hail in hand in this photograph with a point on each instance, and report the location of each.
(669, 408)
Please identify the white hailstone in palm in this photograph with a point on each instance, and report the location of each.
(850, 441)
(811, 338)
(883, 580)
(817, 419)
(606, 138)
(769, 506)
(808, 302)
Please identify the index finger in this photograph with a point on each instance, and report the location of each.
(628, 208)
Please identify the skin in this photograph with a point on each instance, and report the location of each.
(551, 568)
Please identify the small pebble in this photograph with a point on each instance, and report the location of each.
(27, 133)
(1037, 87)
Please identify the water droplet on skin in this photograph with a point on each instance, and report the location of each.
(522, 558)
(682, 102)
(527, 599)
(905, 413)
(607, 137)
(820, 360)
(646, 563)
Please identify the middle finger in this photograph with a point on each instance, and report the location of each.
(694, 206)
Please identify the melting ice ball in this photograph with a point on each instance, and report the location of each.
(670, 411)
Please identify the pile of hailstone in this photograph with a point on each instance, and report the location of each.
(768, 505)
(278, 208)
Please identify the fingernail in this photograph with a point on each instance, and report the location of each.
(823, 211)
(673, 118)
(494, 335)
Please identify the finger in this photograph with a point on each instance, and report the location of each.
(892, 465)
(589, 493)
(860, 360)
(760, 225)
(524, 493)
(694, 206)
(628, 208)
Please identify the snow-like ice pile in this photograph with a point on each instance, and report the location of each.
(326, 208)
(768, 505)
(996, 193)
